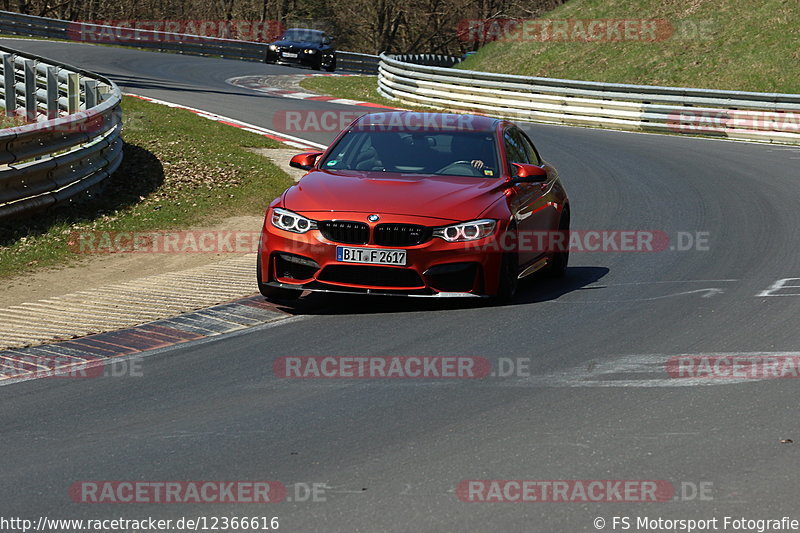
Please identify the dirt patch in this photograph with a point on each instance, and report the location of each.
(281, 157)
(98, 270)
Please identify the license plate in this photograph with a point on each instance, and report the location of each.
(289, 54)
(372, 256)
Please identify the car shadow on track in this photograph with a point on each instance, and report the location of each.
(537, 289)
(542, 289)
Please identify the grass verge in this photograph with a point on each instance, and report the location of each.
(179, 170)
(715, 44)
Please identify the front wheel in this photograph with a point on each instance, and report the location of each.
(509, 272)
(330, 67)
(273, 293)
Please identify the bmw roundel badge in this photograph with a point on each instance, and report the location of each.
(373, 218)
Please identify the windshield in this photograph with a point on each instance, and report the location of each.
(304, 36)
(451, 153)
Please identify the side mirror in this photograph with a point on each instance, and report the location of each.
(528, 174)
(304, 161)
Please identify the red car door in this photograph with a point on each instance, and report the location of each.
(532, 203)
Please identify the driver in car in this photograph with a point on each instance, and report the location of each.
(469, 149)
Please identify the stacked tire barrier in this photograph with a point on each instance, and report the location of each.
(160, 41)
(68, 133)
(762, 117)
(430, 60)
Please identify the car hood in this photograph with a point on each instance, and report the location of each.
(449, 198)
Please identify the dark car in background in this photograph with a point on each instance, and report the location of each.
(305, 47)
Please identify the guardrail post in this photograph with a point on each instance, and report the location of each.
(52, 92)
(90, 87)
(73, 93)
(30, 90)
(10, 83)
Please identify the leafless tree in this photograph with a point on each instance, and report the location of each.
(372, 26)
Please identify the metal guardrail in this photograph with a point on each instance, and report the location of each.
(764, 117)
(70, 136)
(32, 26)
(355, 62)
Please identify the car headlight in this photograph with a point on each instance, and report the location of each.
(466, 231)
(289, 221)
(273, 47)
(310, 51)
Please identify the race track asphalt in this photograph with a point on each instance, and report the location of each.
(594, 404)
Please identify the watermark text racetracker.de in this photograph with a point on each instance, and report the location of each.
(583, 30)
(610, 241)
(232, 241)
(211, 492)
(197, 241)
(779, 366)
(716, 121)
(581, 490)
(400, 367)
(67, 367)
(131, 31)
(381, 367)
(311, 120)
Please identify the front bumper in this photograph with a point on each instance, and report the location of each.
(434, 268)
(374, 292)
(302, 59)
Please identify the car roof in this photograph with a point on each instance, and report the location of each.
(415, 121)
(308, 30)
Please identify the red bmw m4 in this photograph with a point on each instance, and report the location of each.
(416, 204)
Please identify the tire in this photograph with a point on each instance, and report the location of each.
(332, 66)
(509, 271)
(273, 293)
(317, 65)
(558, 267)
(509, 274)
